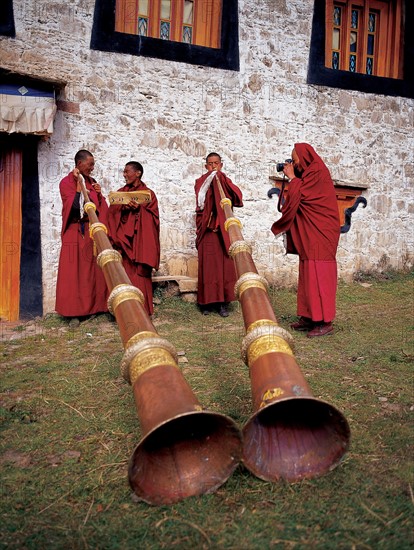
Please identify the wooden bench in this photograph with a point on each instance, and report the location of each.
(185, 284)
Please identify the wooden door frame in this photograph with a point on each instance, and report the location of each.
(31, 288)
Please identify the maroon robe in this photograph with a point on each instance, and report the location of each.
(136, 234)
(216, 271)
(310, 219)
(80, 289)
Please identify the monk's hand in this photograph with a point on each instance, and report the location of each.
(97, 187)
(76, 173)
(133, 205)
(289, 170)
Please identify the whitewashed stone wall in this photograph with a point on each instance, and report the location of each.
(169, 115)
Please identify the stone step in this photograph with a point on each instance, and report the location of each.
(185, 284)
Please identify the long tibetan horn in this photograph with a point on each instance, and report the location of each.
(184, 450)
(291, 434)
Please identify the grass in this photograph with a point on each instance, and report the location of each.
(69, 426)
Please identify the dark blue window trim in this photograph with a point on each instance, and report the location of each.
(105, 38)
(7, 19)
(319, 74)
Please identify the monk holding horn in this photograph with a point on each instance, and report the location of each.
(81, 289)
(216, 272)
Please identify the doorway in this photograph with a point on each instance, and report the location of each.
(20, 246)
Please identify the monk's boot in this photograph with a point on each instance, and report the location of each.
(223, 311)
(321, 329)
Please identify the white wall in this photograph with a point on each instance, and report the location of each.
(169, 115)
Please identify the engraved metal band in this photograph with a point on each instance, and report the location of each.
(121, 293)
(261, 323)
(249, 280)
(239, 246)
(232, 221)
(265, 339)
(139, 336)
(89, 206)
(146, 354)
(225, 201)
(96, 227)
(108, 255)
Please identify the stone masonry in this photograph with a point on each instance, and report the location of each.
(169, 115)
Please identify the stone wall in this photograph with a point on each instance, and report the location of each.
(169, 115)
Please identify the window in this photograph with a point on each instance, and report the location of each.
(7, 19)
(191, 22)
(364, 45)
(364, 36)
(201, 32)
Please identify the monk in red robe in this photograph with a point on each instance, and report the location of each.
(216, 271)
(134, 230)
(310, 220)
(81, 289)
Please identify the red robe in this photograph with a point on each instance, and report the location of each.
(136, 234)
(216, 271)
(80, 288)
(310, 219)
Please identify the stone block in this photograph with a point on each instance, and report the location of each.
(188, 285)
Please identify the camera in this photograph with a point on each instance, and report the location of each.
(281, 165)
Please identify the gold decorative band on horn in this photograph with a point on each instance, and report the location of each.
(121, 293)
(267, 344)
(232, 221)
(108, 255)
(96, 227)
(146, 354)
(250, 280)
(265, 339)
(89, 206)
(261, 323)
(139, 336)
(239, 246)
(225, 201)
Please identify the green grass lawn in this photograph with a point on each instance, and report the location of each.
(69, 426)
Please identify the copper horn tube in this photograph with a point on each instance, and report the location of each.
(291, 434)
(184, 450)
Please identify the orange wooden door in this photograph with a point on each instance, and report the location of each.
(10, 231)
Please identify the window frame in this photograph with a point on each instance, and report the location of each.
(105, 38)
(128, 16)
(320, 74)
(385, 60)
